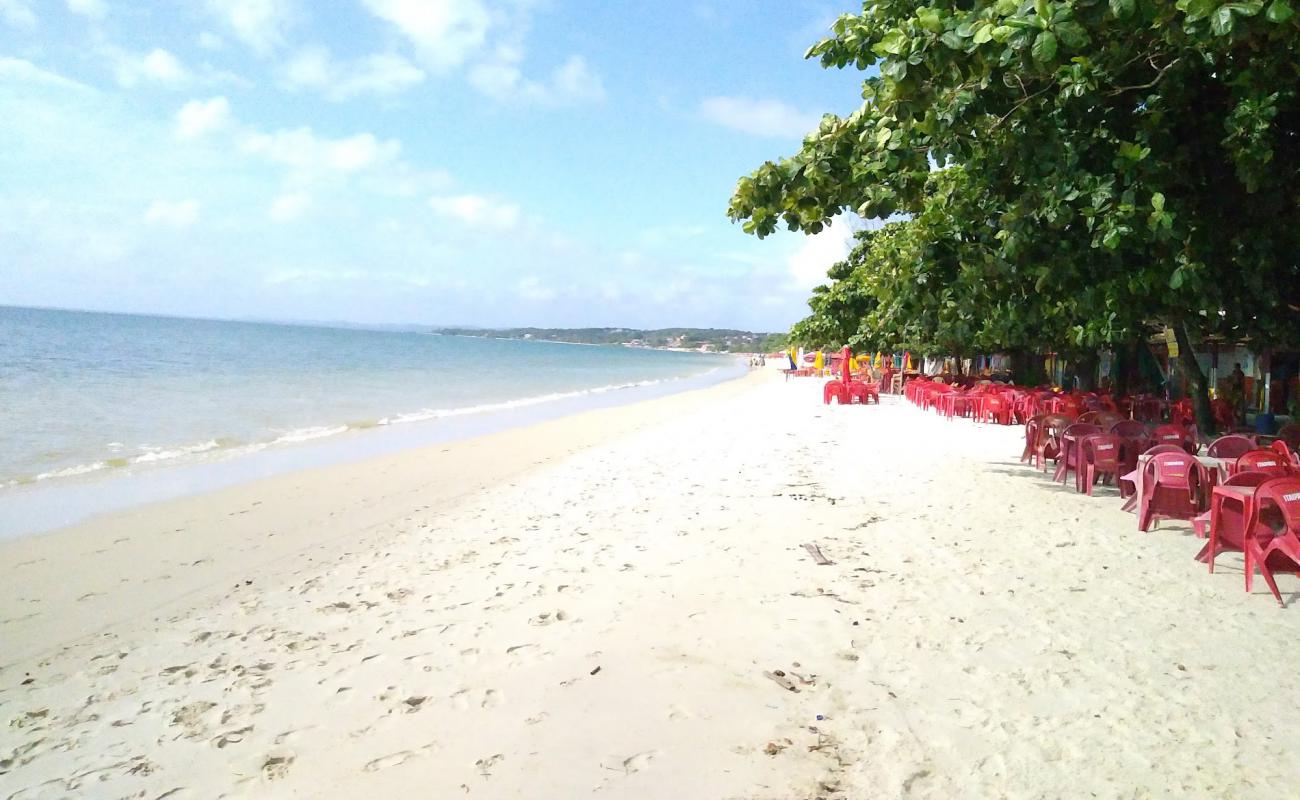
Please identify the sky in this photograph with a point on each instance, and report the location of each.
(450, 162)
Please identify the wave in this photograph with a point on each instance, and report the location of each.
(226, 447)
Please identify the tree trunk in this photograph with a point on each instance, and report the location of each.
(1197, 384)
(1120, 368)
(1085, 370)
(1023, 370)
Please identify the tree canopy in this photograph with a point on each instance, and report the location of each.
(1069, 170)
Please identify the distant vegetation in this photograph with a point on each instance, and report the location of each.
(713, 339)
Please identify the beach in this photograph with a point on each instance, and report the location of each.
(619, 604)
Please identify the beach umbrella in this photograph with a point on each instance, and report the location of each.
(819, 361)
(907, 361)
(880, 360)
(846, 356)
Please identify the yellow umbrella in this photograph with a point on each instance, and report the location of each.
(819, 361)
(880, 360)
(853, 364)
(907, 362)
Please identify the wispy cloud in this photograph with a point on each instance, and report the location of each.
(179, 214)
(571, 83)
(758, 117)
(289, 207)
(94, 9)
(476, 210)
(303, 149)
(17, 13)
(444, 32)
(261, 24)
(381, 74)
(158, 66)
(200, 117)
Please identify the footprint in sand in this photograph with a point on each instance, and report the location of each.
(465, 699)
(639, 761)
(390, 760)
(277, 766)
(546, 618)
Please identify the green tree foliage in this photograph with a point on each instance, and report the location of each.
(1114, 163)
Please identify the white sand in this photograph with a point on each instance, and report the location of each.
(428, 625)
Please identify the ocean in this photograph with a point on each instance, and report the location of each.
(86, 395)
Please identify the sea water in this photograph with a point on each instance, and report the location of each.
(91, 395)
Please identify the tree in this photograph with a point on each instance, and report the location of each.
(1122, 162)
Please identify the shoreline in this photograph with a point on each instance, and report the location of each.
(376, 489)
(44, 505)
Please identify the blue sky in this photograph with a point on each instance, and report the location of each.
(488, 162)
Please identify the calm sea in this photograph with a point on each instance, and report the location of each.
(89, 394)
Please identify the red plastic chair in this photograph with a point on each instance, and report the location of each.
(1231, 446)
(1280, 447)
(1176, 434)
(1170, 489)
(1048, 445)
(1031, 437)
(996, 409)
(1128, 482)
(1070, 456)
(1103, 457)
(1267, 461)
(1230, 533)
(1279, 551)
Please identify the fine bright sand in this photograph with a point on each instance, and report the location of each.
(599, 607)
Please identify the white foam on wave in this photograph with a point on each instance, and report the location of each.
(307, 434)
(69, 472)
(161, 454)
(505, 405)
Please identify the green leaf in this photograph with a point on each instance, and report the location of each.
(1044, 48)
(929, 19)
(1279, 11)
(984, 34)
(953, 40)
(1072, 35)
(1121, 8)
(1221, 21)
(1176, 279)
(1112, 239)
(1158, 201)
(893, 42)
(1041, 9)
(1196, 9)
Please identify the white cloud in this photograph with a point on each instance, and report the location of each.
(289, 207)
(18, 13)
(20, 71)
(445, 32)
(758, 117)
(210, 41)
(157, 66)
(199, 117)
(301, 148)
(181, 214)
(476, 210)
(260, 24)
(817, 252)
(95, 9)
(532, 289)
(569, 84)
(381, 73)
